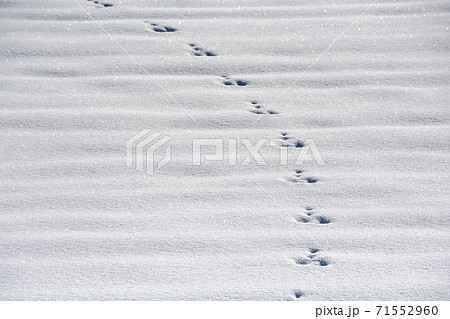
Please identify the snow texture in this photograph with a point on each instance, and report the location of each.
(372, 223)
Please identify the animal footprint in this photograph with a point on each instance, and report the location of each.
(286, 141)
(257, 109)
(314, 258)
(227, 81)
(160, 28)
(298, 294)
(309, 210)
(101, 4)
(309, 216)
(197, 51)
(298, 178)
(310, 180)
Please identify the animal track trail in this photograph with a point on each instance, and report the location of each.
(298, 177)
(228, 81)
(309, 216)
(314, 258)
(257, 109)
(101, 4)
(197, 51)
(160, 28)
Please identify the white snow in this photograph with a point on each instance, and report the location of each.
(77, 223)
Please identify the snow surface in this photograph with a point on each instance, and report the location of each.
(73, 216)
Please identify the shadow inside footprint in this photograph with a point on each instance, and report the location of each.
(302, 219)
(257, 109)
(322, 262)
(229, 81)
(311, 180)
(302, 261)
(160, 28)
(323, 220)
(200, 52)
(299, 144)
(105, 5)
(313, 259)
(164, 29)
(298, 294)
(309, 210)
